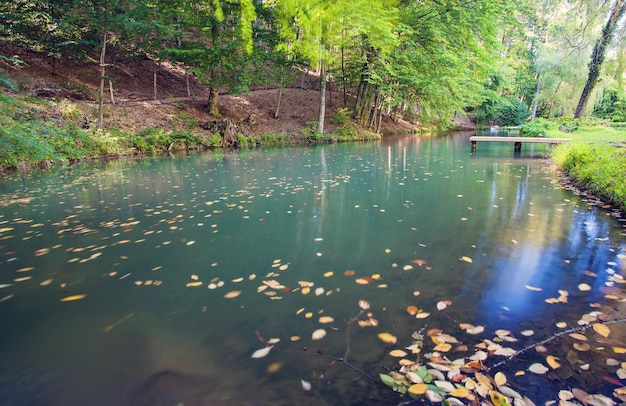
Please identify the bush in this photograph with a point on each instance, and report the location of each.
(537, 128)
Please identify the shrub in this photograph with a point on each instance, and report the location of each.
(537, 128)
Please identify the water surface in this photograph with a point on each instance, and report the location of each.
(155, 244)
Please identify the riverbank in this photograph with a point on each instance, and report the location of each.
(595, 162)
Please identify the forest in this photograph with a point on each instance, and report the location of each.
(498, 62)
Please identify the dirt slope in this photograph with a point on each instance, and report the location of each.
(135, 107)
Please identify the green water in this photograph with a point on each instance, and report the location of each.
(136, 235)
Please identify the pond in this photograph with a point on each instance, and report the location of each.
(282, 276)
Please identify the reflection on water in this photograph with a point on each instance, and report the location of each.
(157, 243)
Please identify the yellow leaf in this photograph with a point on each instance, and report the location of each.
(601, 329)
(233, 294)
(553, 361)
(387, 338)
(398, 353)
(193, 284)
(461, 393)
(326, 319)
(578, 336)
(619, 350)
(466, 259)
(497, 398)
(418, 389)
(73, 297)
(328, 274)
(443, 347)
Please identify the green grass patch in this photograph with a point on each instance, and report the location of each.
(595, 159)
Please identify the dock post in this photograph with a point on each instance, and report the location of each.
(473, 147)
(518, 147)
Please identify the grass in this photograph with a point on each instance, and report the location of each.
(42, 132)
(595, 159)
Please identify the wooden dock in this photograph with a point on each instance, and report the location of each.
(516, 140)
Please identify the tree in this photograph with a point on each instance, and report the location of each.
(598, 54)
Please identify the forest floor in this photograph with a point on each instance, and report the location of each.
(179, 103)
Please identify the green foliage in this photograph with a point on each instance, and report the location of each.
(341, 116)
(214, 141)
(537, 128)
(502, 110)
(612, 106)
(311, 132)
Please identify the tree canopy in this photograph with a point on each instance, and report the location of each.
(498, 61)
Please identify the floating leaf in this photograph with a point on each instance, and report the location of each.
(73, 298)
(583, 287)
(233, 294)
(499, 378)
(326, 319)
(422, 315)
(441, 305)
(398, 353)
(305, 385)
(601, 329)
(527, 333)
(619, 350)
(193, 284)
(553, 361)
(328, 274)
(578, 336)
(533, 288)
(318, 334)
(412, 310)
(466, 259)
(387, 338)
(363, 304)
(387, 380)
(538, 368)
(362, 281)
(475, 330)
(260, 353)
(443, 347)
(418, 389)
(582, 347)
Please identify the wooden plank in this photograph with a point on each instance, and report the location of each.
(538, 140)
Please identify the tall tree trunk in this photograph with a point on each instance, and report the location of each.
(280, 97)
(533, 115)
(214, 107)
(320, 123)
(100, 121)
(597, 56)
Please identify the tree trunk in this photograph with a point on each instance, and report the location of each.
(280, 97)
(154, 86)
(533, 115)
(187, 83)
(597, 56)
(100, 121)
(111, 92)
(320, 123)
(213, 108)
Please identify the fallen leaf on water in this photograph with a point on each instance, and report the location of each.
(387, 338)
(326, 319)
(466, 259)
(27, 269)
(193, 284)
(581, 347)
(553, 361)
(476, 330)
(412, 310)
(538, 368)
(398, 353)
(305, 385)
(601, 329)
(443, 347)
(441, 305)
(349, 272)
(418, 389)
(363, 304)
(233, 294)
(22, 279)
(328, 274)
(533, 288)
(294, 338)
(318, 334)
(260, 353)
(422, 315)
(527, 333)
(499, 378)
(73, 297)
(619, 350)
(583, 287)
(578, 336)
